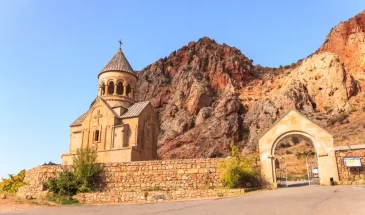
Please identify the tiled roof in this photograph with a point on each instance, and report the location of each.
(79, 120)
(118, 63)
(132, 111)
(135, 110)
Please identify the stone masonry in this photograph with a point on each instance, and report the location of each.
(163, 174)
(153, 196)
(158, 180)
(350, 175)
(141, 181)
(36, 178)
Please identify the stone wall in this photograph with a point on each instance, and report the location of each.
(166, 179)
(186, 174)
(153, 196)
(352, 175)
(130, 181)
(35, 179)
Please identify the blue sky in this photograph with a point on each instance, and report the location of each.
(52, 51)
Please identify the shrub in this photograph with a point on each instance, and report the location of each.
(327, 109)
(83, 177)
(340, 118)
(363, 108)
(64, 200)
(333, 120)
(86, 169)
(353, 109)
(64, 185)
(238, 170)
(12, 184)
(284, 145)
(294, 140)
(300, 155)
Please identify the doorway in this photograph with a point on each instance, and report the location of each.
(296, 163)
(295, 124)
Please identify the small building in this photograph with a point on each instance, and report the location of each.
(116, 126)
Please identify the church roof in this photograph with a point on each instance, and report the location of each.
(79, 120)
(135, 109)
(118, 63)
(132, 111)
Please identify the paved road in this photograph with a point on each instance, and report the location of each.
(297, 201)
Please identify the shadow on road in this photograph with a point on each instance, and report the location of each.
(302, 184)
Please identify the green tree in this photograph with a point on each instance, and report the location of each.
(239, 169)
(82, 177)
(64, 185)
(86, 169)
(13, 183)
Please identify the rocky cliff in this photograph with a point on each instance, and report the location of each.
(208, 95)
(195, 94)
(347, 40)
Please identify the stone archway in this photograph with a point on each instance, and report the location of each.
(294, 123)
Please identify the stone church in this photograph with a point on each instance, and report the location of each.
(116, 126)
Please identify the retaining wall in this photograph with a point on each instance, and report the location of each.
(36, 178)
(130, 181)
(153, 196)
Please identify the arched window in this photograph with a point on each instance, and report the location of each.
(128, 90)
(102, 89)
(120, 88)
(97, 136)
(111, 88)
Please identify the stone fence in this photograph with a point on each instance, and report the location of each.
(135, 181)
(36, 178)
(162, 174)
(166, 179)
(153, 196)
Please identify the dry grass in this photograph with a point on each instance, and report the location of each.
(295, 165)
(14, 203)
(351, 133)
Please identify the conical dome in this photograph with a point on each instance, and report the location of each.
(118, 63)
(117, 81)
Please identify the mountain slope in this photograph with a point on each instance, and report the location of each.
(347, 40)
(194, 92)
(207, 95)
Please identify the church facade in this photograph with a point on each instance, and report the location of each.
(116, 126)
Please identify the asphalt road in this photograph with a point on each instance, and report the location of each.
(296, 200)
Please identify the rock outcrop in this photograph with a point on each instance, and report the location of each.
(327, 81)
(194, 92)
(207, 95)
(347, 40)
(321, 82)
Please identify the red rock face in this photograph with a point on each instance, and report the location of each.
(207, 95)
(194, 92)
(347, 40)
